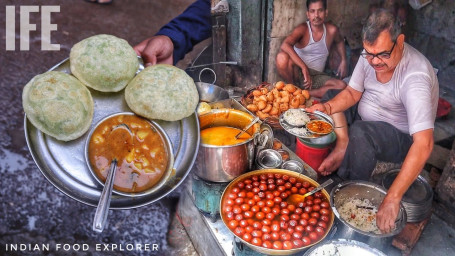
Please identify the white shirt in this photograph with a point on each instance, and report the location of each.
(314, 54)
(408, 101)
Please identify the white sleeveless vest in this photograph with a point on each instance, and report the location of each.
(315, 53)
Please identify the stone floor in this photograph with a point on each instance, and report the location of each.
(32, 211)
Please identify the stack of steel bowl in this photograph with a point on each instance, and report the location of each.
(417, 200)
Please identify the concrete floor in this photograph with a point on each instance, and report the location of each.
(33, 211)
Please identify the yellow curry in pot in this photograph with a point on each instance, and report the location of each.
(222, 136)
(142, 155)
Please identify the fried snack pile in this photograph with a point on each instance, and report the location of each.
(271, 103)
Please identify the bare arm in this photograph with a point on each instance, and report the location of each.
(413, 163)
(288, 47)
(344, 100)
(335, 108)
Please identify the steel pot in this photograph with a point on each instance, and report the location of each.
(225, 163)
(357, 189)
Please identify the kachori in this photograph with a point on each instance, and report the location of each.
(58, 104)
(162, 92)
(104, 62)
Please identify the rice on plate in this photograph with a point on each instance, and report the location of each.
(296, 117)
(300, 131)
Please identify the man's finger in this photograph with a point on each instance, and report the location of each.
(140, 47)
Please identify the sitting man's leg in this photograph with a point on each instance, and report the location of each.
(370, 142)
(285, 67)
(323, 83)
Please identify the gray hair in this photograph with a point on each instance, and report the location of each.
(378, 21)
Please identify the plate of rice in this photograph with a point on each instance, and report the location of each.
(294, 121)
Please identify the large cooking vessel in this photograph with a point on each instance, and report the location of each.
(260, 249)
(225, 163)
(357, 189)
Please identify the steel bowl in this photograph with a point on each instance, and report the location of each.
(167, 144)
(293, 165)
(343, 247)
(210, 92)
(225, 163)
(357, 189)
(264, 250)
(268, 159)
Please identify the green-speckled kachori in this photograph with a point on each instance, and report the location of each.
(58, 104)
(104, 62)
(162, 92)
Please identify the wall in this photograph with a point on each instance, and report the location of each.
(432, 31)
(286, 14)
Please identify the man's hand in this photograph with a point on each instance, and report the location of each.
(319, 107)
(307, 83)
(387, 214)
(156, 50)
(342, 70)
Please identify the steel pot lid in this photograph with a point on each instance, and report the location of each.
(419, 192)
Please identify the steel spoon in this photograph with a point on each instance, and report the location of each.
(247, 127)
(102, 209)
(105, 199)
(297, 198)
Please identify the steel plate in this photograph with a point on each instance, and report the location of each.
(317, 115)
(64, 165)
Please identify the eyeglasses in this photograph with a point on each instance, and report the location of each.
(382, 55)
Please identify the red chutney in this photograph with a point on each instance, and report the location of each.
(142, 157)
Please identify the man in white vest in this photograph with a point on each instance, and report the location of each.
(304, 52)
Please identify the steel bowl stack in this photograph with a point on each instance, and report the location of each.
(417, 200)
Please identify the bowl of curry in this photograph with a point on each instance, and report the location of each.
(145, 158)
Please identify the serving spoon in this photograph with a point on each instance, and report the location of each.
(247, 127)
(297, 198)
(117, 135)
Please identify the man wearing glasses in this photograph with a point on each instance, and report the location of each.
(390, 104)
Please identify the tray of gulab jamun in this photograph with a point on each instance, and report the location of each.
(256, 209)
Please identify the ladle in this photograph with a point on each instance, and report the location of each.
(102, 209)
(247, 127)
(297, 198)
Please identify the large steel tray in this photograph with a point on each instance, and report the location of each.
(64, 164)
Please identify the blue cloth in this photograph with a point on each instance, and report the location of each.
(189, 28)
